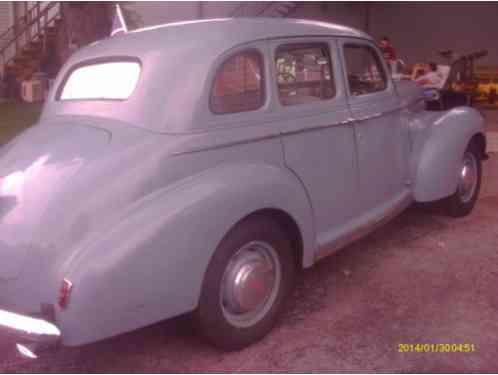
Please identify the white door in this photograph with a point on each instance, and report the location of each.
(381, 140)
(318, 135)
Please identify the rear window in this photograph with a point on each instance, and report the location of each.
(111, 81)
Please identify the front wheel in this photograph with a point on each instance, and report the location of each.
(246, 283)
(463, 200)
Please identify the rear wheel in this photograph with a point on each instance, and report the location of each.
(246, 283)
(463, 200)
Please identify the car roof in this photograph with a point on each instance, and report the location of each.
(216, 34)
(248, 29)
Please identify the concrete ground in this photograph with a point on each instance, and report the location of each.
(423, 278)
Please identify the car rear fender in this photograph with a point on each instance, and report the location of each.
(439, 149)
(150, 266)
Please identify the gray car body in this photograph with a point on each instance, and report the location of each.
(129, 199)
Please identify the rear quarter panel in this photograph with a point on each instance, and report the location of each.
(150, 265)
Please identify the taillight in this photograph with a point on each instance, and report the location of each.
(65, 293)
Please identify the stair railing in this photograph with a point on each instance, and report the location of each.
(29, 27)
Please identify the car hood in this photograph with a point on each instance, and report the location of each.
(33, 168)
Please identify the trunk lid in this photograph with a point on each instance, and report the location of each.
(33, 169)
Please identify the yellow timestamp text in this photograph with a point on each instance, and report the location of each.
(436, 348)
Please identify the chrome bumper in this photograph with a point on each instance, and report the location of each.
(28, 329)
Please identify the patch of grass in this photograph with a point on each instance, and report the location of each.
(15, 117)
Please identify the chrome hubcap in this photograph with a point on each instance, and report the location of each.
(250, 284)
(468, 177)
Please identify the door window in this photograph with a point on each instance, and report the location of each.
(304, 73)
(239, 85)
(364, 70)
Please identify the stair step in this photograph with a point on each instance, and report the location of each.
(30, 64)
(23, 67)
(52, 29)
(20, 59)
(30, 52)
(35, 43)
(32, 49)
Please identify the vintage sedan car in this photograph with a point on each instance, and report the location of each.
(196, 166)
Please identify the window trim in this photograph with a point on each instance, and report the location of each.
(303, 45)
(97, 61)
(379, 60)
(262, 81)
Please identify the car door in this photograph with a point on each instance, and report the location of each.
(317, 132)
(381, 139)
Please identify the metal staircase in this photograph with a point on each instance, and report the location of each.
(25, 45)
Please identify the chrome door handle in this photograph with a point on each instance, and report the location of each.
(348, 121)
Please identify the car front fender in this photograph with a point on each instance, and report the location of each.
(150, 266)
(439, 150)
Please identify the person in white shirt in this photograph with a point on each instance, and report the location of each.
(430, 77)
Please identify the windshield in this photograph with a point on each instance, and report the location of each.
(111, 80)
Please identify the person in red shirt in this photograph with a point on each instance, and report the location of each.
(387, 49)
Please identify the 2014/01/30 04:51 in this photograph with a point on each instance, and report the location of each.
(436, 348)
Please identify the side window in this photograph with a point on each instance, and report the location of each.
(304, 73)
(364, 68)
(239, 84)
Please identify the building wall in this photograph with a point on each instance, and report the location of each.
(153, 13)
(156, 13)
(351, 14)
(419, 30)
